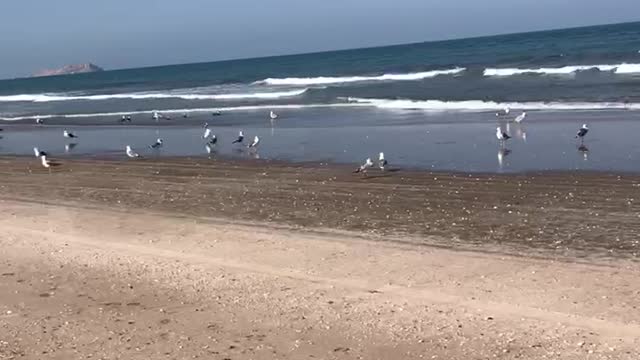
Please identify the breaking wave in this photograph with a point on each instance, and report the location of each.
(348, 79)
(143, 96)
(616, 69)
(479, 105)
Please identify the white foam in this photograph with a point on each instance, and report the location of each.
(628, 69)
(142, 96)
(348, 79)
(565, 70)
(479, 105)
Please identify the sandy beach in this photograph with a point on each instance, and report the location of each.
(218, 259)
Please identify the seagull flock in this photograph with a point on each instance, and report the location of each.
(503, 136)
(212, 140)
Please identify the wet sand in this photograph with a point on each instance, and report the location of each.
(197, 258)
(574, 214)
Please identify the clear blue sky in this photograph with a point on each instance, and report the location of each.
(114, 34)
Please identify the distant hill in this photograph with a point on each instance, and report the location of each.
(70, 69)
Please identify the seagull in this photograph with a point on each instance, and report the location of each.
(156, 116)
(131, 153)
(520, 117)
(207, 133)
(382, 162)
(38, 153)
(582, 132)
(69, 134)
(216, 113)
(46, 163)
(273, 115)
(157, 144)
(239, 139)
(39, 121)
(504, 112)
(363, 168)
(213, 140)
(185, 115)
(501, 135)
(123, 119)
(254, 144)
(129, 118)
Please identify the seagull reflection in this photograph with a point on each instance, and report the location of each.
(502, 153)
(254, 155)
(521, 133)
(585, 151)
(69, 147)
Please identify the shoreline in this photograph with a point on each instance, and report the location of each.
(570, 215)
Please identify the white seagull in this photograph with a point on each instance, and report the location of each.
(39, 121)
(156, 116)
(520, 117)
(273, 115)
(382, 162)
(207, 133)
(582, 132)
(131, 153)
(254, 144)
(46, 163)
(240, 138)
(38, 153)
(363, 168)
(157, 144)
(501, 135)
(69, 134)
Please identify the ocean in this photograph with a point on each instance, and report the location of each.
(584, 68)
(562, 77)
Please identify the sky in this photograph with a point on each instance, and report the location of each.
(115, 34)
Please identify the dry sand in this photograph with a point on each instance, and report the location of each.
(219, 260)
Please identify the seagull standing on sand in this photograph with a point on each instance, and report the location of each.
(39, 121)
(520, 117)
(582, 132)
(38, 153)
(273, 115)
(382, 162)
(502, 136)
(240, 138)
(131, 153)
(157, 144)
(363, 168)
(45, 162)
(69, 135)
(254, 144)
(156, 116)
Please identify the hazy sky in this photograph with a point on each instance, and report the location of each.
(114, 34)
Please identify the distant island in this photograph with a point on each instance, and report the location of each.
(69, 69)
